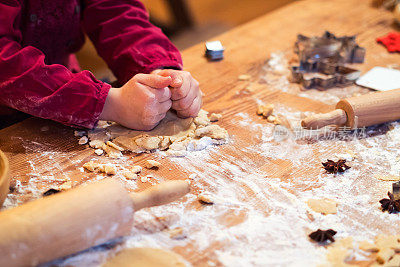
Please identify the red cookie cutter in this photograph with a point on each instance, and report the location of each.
(390, 41)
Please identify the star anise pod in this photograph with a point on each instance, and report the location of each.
(391, 205)
(323, 235)
(335, 167)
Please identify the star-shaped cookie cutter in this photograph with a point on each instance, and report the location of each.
(322, 61)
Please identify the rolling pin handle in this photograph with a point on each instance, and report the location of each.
(337, 117)
(160, 194)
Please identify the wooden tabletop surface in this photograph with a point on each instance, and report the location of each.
(244, 171)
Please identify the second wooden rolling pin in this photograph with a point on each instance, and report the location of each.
(359, 111)
(65, 223)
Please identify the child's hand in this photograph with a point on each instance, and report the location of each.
(185, 92)
(141, 103)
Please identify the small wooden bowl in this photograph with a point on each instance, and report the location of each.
(4, 177)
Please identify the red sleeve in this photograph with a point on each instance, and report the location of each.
(126, 40)
(47, 91)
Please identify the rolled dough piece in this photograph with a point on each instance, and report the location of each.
(324, 206)
(173, 134)
(146, 257)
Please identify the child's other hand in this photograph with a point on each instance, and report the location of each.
(141, 103)
(186, 95)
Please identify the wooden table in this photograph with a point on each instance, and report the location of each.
(260, 185)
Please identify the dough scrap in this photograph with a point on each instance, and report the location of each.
(111, 144)
(202, 118)
(214, 131)
(146, 178)
(203, 199)
(96, 144)
(111, 151)
(99, 152)
(91, 166)
(271, 118)
(265, 110)
(176, 233)
(130, 175)
(215, 117)
(244, 77)
(83, 140)
(174, 135)
(150, 164)
(324, 206)
(99, 134)
(136, 169)
(146, 257)
(108, 169)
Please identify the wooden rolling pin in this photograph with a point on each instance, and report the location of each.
(69, 222)
(359, 111)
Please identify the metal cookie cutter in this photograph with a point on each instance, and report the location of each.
(214, 51)
(396, 190)
(324, 57)
(325, 77)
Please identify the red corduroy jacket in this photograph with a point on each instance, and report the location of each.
(39, 73)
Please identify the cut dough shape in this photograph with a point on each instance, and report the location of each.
(324, 206)
(145, 257)
(388, 177)
(387, 241)
(367, 246)
(384, 255)
(339, 251)
(395, 261)
(337, 255)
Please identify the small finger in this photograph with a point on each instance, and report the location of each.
(193, 110)
(185, 102)
(183, 91)
(153, 80)
(176, 76)
(162, 95)
(164, 107)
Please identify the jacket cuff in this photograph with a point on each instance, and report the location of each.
(102, 93)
